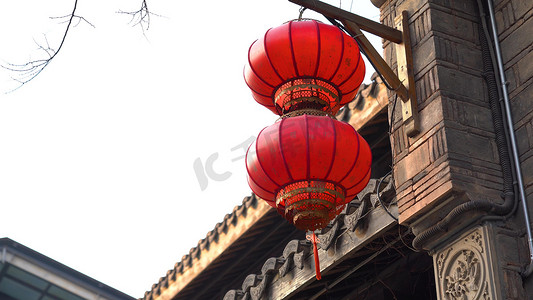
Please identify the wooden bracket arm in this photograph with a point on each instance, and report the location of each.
(403, 83)
(378, 61)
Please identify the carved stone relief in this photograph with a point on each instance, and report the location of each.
(463, 279)
(462, 268)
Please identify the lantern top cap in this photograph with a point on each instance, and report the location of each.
(303, 20)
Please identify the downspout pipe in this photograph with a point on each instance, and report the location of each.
(511, 133)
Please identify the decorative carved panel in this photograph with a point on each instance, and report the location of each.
(463, 270)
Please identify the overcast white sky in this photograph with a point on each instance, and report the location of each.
(97, 153)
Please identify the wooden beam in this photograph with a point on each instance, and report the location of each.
(403, 83)
(368, 25)
(378, 61)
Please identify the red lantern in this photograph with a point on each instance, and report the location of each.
(308, 167)
(304, 64)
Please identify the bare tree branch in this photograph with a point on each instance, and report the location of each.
(28, 71)
(140, 17)
(73, 16)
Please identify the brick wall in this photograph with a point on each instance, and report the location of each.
(455, 158)
(456, 151)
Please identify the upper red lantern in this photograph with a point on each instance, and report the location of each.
(308, 167)
(304, 64)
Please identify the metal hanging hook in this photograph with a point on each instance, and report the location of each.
(302, 9)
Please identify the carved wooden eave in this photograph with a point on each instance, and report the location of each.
(369, 102)
(362, 221)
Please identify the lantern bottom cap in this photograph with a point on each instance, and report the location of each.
(307, 93)
(311, 220)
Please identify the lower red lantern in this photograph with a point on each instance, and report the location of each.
(308, 167)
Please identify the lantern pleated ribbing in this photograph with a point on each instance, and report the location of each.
(304, 64)
(308, 167)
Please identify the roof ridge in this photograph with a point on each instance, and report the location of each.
(230, 219)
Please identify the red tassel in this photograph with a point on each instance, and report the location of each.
(314, 240)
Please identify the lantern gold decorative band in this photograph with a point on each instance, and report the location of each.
(311, 204)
